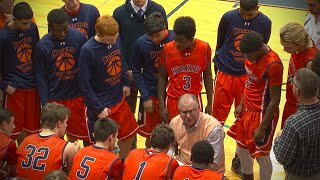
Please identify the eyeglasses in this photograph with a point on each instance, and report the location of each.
(191, 111)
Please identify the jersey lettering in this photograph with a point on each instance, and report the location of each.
(34, 156)
(84, 166)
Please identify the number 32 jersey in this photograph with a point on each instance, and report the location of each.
(185, 67)
(38, 155)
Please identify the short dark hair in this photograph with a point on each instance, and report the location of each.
(154, 23)
(22, 10)
(5, 115)
(307, 82)
(185, 25)
(103, 128)
(55, 175)
(250, 42)
(202, 152)
(57, 16)
(315, 65)
(248, 5)
(51, 113)
(162, 136)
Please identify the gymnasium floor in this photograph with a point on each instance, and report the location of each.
(207, 14)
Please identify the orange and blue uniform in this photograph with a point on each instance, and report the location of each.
(184, 69)
(148, 164)
(94, 162)
(38, 155)
(17, 60)
(193, 173)
(7, 151)
(297, 61)
(229, 61)
(261, 75)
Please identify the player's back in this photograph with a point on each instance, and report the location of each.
(96, 163)
(148, 164)
(191, 173)
(38, 155)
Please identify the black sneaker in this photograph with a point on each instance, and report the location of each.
(236, 167)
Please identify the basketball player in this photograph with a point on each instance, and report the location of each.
(17, 42)
(152, 163)
(104, 84)
(296, 41)
(56, 64)
(202, 154)
(229, 61)
(82, 16)
(8, 156)
(146, 57)
(6, 7)
(258, 110)
(183, 63)
(46, 151)
(97, 161)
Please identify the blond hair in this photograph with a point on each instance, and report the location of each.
(106, 26)
(294, 33)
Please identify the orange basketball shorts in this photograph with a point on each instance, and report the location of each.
(227, 89)
(77, 127)
(148, 120)
(288, 110)
(243, 132)
(25, 105)
(122, 114)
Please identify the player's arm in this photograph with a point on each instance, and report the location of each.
(84, 77)
(275, 80)
(208, 82)
(286, 146)
(11, 158)
(216, 139)
(41, 69)
(137, 66)
(222, 30)
(163, 76)
(116, 169)
(36, 31)
(68, 153)
(3, 42)
(267, 34)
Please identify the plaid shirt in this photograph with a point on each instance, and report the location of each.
(298, 147)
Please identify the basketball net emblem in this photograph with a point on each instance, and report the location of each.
(24, 52)
(65, 62)
(157, 62)
(114, 65)
(237, 41)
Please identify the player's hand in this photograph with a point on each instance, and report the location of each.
(238, 112)
(164, 115)
(148, 105)
(10, 90)
(208, 109)
(76, 146)
(105, 113)
(126, 91)
(259, 135)
(130, 75)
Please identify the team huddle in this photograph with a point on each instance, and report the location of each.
(81, 81)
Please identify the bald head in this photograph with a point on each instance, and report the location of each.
(307, 82)
(186, 98)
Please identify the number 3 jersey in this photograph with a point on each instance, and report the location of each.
(38, 155)
(185, 67)
(148, 164)
(95, 163)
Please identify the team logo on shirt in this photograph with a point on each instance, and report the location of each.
(156, 56)
(83, 31)
(237, 40)
(65, 61)
(113, 66)
(24, 54)
(80, 26)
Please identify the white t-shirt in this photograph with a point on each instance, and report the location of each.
(312, 25)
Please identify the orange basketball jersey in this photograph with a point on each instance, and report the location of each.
(191, 173)
(96, 163)
(261, 74)
(39, 155)
(148, 164)
(297, 61)
(5, 143)
(185, 68)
